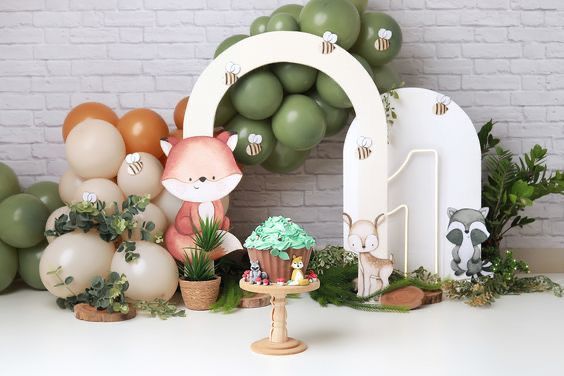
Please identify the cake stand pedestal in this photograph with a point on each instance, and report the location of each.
(278, 342)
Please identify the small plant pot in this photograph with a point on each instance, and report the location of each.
(199, 295)
(274, 266)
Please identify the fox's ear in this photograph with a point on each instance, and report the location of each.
(166, 146)
(232, 141)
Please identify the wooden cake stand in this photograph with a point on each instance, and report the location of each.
(278, 342)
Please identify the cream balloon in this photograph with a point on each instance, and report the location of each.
(169, 204)
(152, 213)
(140, 174)
(95, 149)
(104, 189)
(79, 255)
(153, 275)
(50, 224)
(68, 185)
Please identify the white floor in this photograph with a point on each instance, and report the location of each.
(519, 335)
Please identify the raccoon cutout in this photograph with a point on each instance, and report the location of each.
(467, 230)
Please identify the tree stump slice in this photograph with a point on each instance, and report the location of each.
(409, 297)
(433, 296)
(255, 301)
(86, 312)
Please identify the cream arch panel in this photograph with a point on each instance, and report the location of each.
(365, 159)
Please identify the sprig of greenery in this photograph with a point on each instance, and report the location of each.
(196, 267)
(329, 257)
(484, 290)
(511, 186)
(86, 216)
(159, 308)
(105, 295)
(62, 281)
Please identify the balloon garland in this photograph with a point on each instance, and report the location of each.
(296, 104)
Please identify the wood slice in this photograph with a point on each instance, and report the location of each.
(409, 297)
(88, 313)
(255, 301)
(433, 296)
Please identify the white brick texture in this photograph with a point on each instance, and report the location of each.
(497, 58)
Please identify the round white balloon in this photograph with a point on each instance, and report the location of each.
(153, 275)
(169, 204)
(77, 255)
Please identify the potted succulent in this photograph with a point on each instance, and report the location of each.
(274, 243)
(199, 284)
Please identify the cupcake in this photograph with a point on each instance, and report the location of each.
(275, 242)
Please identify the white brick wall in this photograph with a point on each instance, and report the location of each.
(497, 58)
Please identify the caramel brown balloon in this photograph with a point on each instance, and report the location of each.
(179, 112)
(142, 130)
(85, 111)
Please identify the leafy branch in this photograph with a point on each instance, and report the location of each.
(92, 215)
(511, 186)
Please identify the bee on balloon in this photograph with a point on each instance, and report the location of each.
(134, 164)
(255, 145)
(382, 43)
(441, 107)
(329, 42)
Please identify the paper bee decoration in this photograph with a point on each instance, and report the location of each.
(329, 40)
(134, 163)
(364, 147)
(232, 71)
(382, 43)
(441, 107)
(254, 148)
(89, 197)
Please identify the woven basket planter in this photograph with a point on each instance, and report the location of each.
(274, 266)
(199, 295)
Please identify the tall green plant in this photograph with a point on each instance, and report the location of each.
(512, 185)
(208, 237)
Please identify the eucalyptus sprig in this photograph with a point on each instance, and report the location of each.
(159, 308)
(92, 215)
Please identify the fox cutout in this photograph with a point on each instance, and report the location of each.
(200, 171)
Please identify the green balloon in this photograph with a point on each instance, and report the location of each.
(386, 78)
(9, 184)
(29, 265)
(295, 78)
(293, 9)
(360, 5)
(299, 123)
(283, 159)
(251, 150)
(337, 16)
(282, 22)
(225, 111)
(335, 118)
(228, 43)
(330, 90)
(22, 220)
(48, 193)
(8, 265)
(257, 95)
(378, 49)
(259, 25)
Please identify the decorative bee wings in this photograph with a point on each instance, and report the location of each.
(330, 37)
(255, 138)
(231, 67)
(443, 99)
(89, 197)
(364, 142)
(384, 34)
(132, 158)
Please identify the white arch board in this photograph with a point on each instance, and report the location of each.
(365, 181)
(454, 137)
